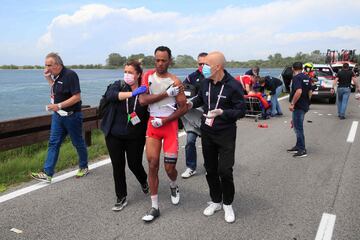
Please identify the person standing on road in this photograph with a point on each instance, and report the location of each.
(299, 105)
(124, 127)
(343, 80)
(192, 119)
(222, 98)
(162, 127)
(67, 117)
(274, 85)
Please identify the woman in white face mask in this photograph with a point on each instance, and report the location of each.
(124, 126)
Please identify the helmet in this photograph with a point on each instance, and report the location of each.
(308, 67)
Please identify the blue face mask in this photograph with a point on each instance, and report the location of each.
(206, 71)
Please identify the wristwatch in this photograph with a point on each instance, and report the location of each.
(59, 106)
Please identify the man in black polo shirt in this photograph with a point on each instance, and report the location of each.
(343, 79)
(222, 99)
(299, 105)
(67, 117)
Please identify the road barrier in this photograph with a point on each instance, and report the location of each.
(26, 131)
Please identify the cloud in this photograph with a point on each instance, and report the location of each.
(95, 30)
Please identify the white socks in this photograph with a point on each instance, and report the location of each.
(154, 201)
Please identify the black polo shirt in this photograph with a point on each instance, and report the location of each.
(271, 84)
(301, 81)
(231, 102)
(65, 86)
(345, 77)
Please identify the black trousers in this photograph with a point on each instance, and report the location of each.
(133, 148)
(219, 156)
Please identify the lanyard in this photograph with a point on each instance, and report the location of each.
(218, 99)
(127, 104)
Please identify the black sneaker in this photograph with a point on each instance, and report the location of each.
(293, 150)
(151, 215)
(120, 204)
(342, 117)
(145, 188)
(300, 153)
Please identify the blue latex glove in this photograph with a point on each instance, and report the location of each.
(139, 90)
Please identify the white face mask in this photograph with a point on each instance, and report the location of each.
(129, 78)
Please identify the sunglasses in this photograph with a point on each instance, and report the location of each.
(201, 64)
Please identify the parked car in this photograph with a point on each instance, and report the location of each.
(337, 66)
(325, 76)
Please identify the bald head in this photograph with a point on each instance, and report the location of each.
(216, 58)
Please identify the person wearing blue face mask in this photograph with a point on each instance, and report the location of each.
(222, 98)
(192, 119)
(124, 126)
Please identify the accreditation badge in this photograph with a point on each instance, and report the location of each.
(209, 121)
(134, 119)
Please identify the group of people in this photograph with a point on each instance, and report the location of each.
(263, 88)
(144, 109)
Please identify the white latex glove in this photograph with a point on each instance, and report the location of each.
(189, 104)
(156, 122)
(172, 91)
(214, 113)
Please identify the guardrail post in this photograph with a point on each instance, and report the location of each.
(88, 138)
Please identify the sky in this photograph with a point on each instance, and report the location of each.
(86, 32)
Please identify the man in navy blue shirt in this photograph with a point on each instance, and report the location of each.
(192, 119)
(222, 98)
(299, 105)
(67, 117)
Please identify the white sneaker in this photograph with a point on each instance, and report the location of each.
(229, 213)
(212, 208)
(175, 195)
(188, 173)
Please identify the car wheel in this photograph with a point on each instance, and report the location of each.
(332, 100)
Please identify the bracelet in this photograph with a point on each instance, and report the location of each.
(59, 106)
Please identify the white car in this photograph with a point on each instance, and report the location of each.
(326, 77)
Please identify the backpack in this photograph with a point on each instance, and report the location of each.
(104, 103)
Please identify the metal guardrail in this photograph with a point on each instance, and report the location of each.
(26, 131)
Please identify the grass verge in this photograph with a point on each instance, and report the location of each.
(16, 164)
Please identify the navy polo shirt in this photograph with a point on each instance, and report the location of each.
(301, 81)
(65, 86)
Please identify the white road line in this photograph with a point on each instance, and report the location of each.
(326, 227)
(60, 178)
(352, 133)
(284, 97)
(57, 179)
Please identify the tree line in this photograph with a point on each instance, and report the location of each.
(116, 60)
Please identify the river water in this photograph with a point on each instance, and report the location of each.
(24, 93)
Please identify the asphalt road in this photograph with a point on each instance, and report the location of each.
(277, 196)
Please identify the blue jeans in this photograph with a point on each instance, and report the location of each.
(190, 150)
(275, 106)
(343, 95)
(60, 127)
(298, 123)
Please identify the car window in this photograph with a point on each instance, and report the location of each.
(323, 72)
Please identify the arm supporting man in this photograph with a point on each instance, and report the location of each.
(181, 102)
